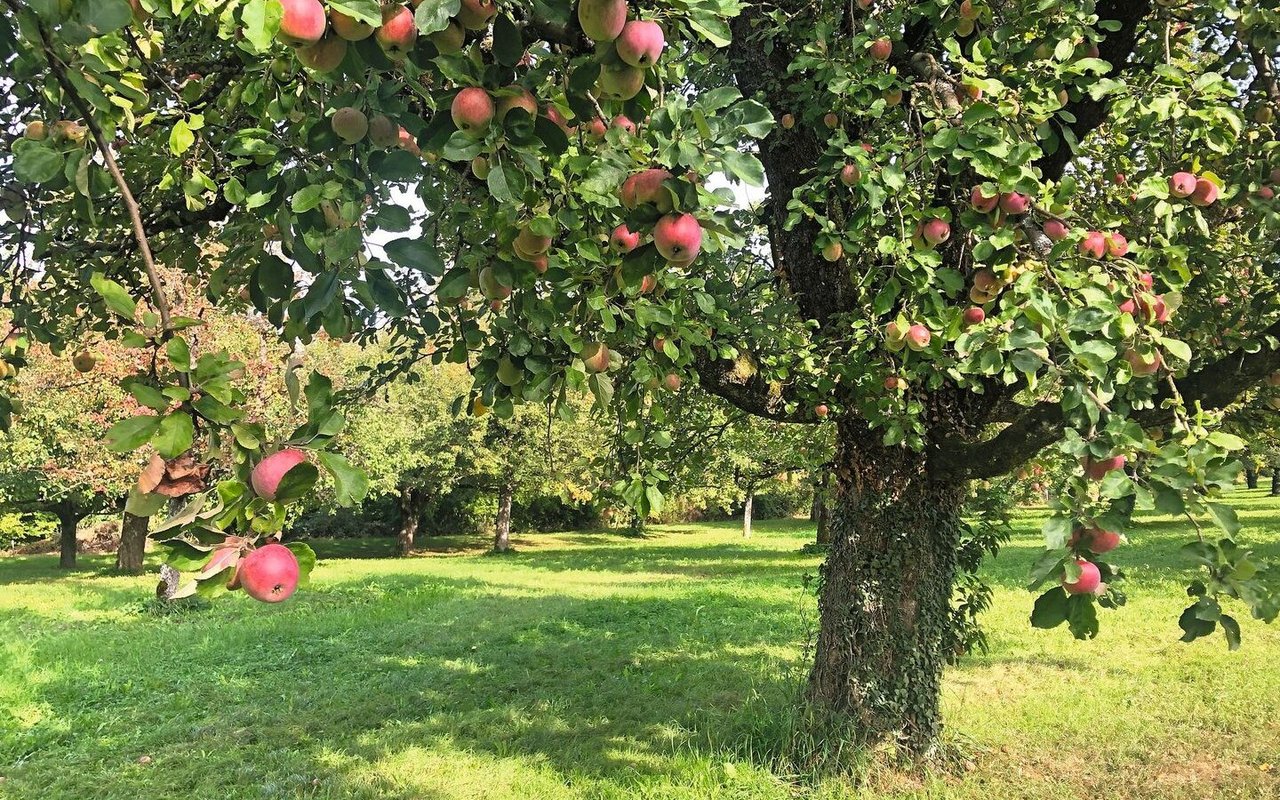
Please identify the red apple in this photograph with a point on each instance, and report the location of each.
(1265, 193)
(269, 471)
(881, 49)
(974, 315)
(982, 202)
(269, 573)
(821, 410)
(1182, 184)
(936, 231)
(1206, 192)
(1097, 470)
(595, 356)
(918, 337)
(1056, 230)
(522, 98)
(1093, 245)
(646, 187)
(671, 382)
(303, 22)
(622, 240)
(398, 32)
(602, 20)
(1117, 245)
(620, 121)
(678, 237)
(640, 43)
(1090, 578)
(1014, 203)
(1143, 365)
(472, 111)
(850, 174)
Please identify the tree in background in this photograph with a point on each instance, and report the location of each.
(990, 229)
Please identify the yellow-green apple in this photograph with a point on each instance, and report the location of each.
(528, 244)
(602, 20)
(450, 39)
(789, 122)
(36, 131)
(620, 81)
(595, 356)
(895, 337)
(475, 14)
(833, 251)
(382, 131)
(325, 55)
(349, 28)
(491, 287)
(831, 120)
(350, 124)
(84, 361)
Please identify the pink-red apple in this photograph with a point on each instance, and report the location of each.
(269, 573)
(622, 240)
(1205, 194)
(269, 471)
(1088, 581)
(602, 20)
(1056, 230)
(472, 111)
(936, 231)
(918, 337)
(646, 187)
(303, 22)
(398, 32)
(595, 356)
(640, 43)
(1182, 184)
(1093, 245)
(983, 202)
(1014, 203)
(881, 49)
(678, 237)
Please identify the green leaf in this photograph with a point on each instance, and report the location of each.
(216, 412)
(175, 434)
(259, 22)
(367, 11)
(297, 482)
(36, 163)
(181, 138)
(508, 48)
(419, 254)
(1082, 616)
(1193, 627)
(745, 167)
(1226, 518)
(306, 561)
(104, 16)
(132, 433)
(1050, 609)
(114, 295)
(433, 15)
(144, 505)
(350, 484)
(179, 354)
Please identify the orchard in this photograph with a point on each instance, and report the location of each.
(987, 229)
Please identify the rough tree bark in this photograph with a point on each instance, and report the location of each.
(502, 529)
(133, 543)
(821, 512)
(68, 521)
(886, 596)
(1250, 474)
(747, 508)
(411, 503)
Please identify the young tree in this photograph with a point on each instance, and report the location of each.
(991, 228)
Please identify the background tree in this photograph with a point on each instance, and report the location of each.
(990, 229)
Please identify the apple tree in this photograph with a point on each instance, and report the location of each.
(990, 228)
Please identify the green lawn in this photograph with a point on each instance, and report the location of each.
(591, 666)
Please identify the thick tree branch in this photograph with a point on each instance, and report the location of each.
(750, 393)
(1115, 49)
(1214, 386)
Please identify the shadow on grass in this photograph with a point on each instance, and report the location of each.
(346, 679)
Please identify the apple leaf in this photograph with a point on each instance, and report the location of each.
(144, 505)
(367, 11)
(350, 483)
(1050, 609)
(132, 433)
(1082, 616)
(104, 16)
(114, 295)
(297, 482)
(433, 15)
(259, 21)
(35, 163)
(175, 434)
(508, 48)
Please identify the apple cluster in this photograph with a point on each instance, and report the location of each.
(636, 46)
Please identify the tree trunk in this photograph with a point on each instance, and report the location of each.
(746, 513)
(885, 600)
(1250, 474)
(823, 512)
(502, 528)
(410, 511)
(133, 543)
(67, 524)
(1275, 480)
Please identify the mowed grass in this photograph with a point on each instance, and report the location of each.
(593, 666)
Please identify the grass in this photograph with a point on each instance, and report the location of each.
(595, 667)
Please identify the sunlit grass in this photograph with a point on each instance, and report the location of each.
(596, 666)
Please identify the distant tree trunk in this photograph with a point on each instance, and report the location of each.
(410, 512)
(1250, 474)
(133, 543)
(1275, 480)
(502, 529)
(823, 513)
(746, 513)
(68, 521)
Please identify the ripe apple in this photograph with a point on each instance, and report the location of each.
(1014, 203)
(1206, 192)
(84, 361)
(622, 240)
(974, 315)
(602, 20)
(349, 28)
(620, 81)
(523, 99)
(1088, 581)
(407, 142)
(850, 174)
(918, 337)
(893, 383)
(1117, 245)
(36, 131)
(303, 22)
(936, 231)
(986, 280)
(1096, 539)
(967, 11)
(472, 111)
(398, 32)
(789, 122)
(1143, 365)
(552, 113)
(1056, 230)
(449, 40)
(983, 202)
(892, 97)
(678, 237)
(620, 121)
(821, 410)
(881, 49)
(646, 187)
(350, 124)
(1182, 184)
(641, 42)
(269, 574)
(475, 14)
(270, 470)
(1265, 193)
(491, 287)
(595, 356)
(671, 382)
(659, 345)
(1093, 245)
(1097, 470)
(325, 55)
(833, 251)
(1128, 307)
